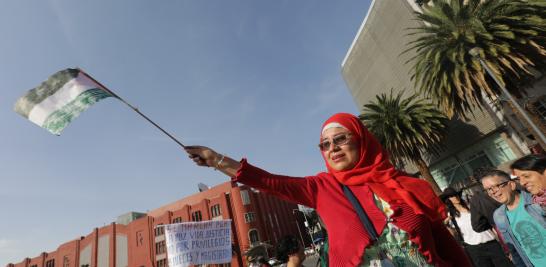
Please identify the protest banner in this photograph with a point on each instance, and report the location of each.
(191, 243)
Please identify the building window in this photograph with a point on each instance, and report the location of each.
(160, 247)
(455, 170)
(250, 217)
(245, 197)
(177, 220)
(540, 107)
(477, 160)
(50, 263)
(159, 230)
(196, 216)
(139, 238)
(161, 263)
(253, 236)
(448, 173)
(215, 210)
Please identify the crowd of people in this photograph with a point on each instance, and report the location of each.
(506, 215)
(509, 213)
(377, 215)
(482, 247)
(520, 220)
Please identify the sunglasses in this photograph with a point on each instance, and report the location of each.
(495, 188)
(338, 140)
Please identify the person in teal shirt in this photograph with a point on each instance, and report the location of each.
(521, 222)
(530, 234)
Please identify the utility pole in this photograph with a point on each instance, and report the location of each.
(475, 52)
(306, 226)
(299, 231)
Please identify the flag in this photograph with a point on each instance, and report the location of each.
(60, 99)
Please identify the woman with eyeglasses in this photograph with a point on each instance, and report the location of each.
(375, 214)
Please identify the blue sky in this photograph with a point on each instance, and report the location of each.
(251, 79)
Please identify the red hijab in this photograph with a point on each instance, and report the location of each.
(375, 170)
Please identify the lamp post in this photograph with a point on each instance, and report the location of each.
(475, 52)
(306, 226)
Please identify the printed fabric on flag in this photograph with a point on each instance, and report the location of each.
(60, 99)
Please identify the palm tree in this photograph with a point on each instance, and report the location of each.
(512, 38)
(407, 128)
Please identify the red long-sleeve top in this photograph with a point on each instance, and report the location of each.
(347, 237)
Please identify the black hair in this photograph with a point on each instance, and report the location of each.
(287, 246)
(454, 212)
(262, 261)
(533, 162)
(451, 208)
(494, 172)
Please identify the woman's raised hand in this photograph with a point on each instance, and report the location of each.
(203, 156)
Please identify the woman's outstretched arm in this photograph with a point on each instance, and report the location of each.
(296, 189)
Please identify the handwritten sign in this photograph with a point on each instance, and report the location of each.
(191, 243)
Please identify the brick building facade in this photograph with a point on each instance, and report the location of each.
(135, 240)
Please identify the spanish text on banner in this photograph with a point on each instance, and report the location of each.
(198, 243)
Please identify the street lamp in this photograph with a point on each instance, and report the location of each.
(306, 226)
(475, 52)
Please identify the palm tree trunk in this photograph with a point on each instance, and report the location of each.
(425, 173)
